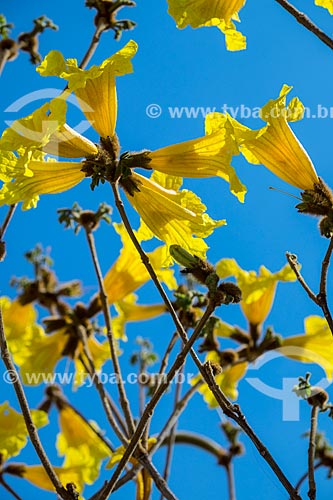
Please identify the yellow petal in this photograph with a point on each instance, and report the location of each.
(20, 326)
(67, 143)
(204, 157)
(327, 4)
(128, 310)
(36, 475)
(276, 146)
(47, 178)
(314, 346)
(41, 356)
(228, 382)
(128, 272)
(95, 87)
(258, 291)
(176, 217)
(13, 430)
(35, 130)
(80, 445)
(197, 13)
(234, 40)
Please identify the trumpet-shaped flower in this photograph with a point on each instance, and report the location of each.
(220, 13)
(20, 326)
(80, 444)
(34, 131)
(204, 157)
(314, 346)
(45, 177)
(96, 87)
(42, 354)
(128, 272)
(173, 216)
(275, 146)
(258, 291)
(13, 430)
(46, 129)
(327, 4)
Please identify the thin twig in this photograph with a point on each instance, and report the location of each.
(100, 388)
(305, 475)
(231, 480)
(93, 44)
(26, 413)
(7, 220)
(4, 56)
(291, 258)
(153, 402)
(165, 359)
(124, 403)
(234, 412)
(171, 437)
(160, 439)
(322, 296)
(112, 404)
(306, 22)
(159, 481)
(312, 451)
(9, 488)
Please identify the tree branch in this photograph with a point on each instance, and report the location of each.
(311, 452)
(306, 22)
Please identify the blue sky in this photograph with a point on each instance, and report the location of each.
(191, 68)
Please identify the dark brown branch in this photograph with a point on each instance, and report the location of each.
(291, 258)
(306, 22)
(322, 296)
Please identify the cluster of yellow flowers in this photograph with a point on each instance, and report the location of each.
(174, 216)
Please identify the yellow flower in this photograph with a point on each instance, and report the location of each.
(37, 476)
(204, 157)
(13, 430)
(197, 13)
(47, 131)
(96, 87)
(227, 380)
(128, 272)
(258, 291)
(128, 310)
(314, 346)
(41, 355)
(327, 4)
(48, 177)
(80, 444)
(175, 217)
(20, 326)
(275, 146)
